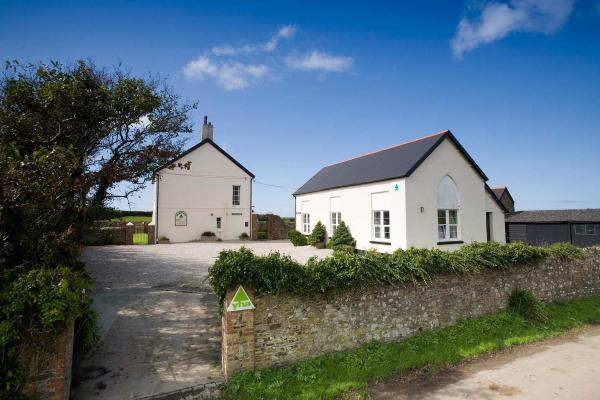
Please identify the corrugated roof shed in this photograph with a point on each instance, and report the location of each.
(548, 216)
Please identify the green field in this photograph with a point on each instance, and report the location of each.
(332, 375)
(133, 218)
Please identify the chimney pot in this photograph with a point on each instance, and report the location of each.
(207, 129)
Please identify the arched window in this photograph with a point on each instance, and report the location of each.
(448, 203)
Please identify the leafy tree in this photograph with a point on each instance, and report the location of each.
(341, 237)
(72, 139)
(318, 234)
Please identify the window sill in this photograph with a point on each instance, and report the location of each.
(450, 242)
(377, 242)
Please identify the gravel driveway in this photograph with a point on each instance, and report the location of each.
(159, 323)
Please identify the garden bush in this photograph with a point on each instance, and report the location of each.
(341, 237)
(244, 236)
(318, 235)
(35, 308)
(527, 305)
(262, 236)
(297, 238)
(277, 273)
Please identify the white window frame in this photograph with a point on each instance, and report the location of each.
(447, 237)
(305, 223)
(380, 228)
(336, 218)
(236, 197)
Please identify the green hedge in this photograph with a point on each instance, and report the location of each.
(34, 309)
(278, 273)
(297, 238)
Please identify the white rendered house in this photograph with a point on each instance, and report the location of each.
(425, 193)
(202, 190)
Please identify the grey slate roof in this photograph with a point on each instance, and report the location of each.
(391, 163)
(546, 216)
(498, 192)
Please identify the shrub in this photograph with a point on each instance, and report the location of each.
(343, 248)
(565, 251)
(278, 273)
(297, 238)
(526, 304)
(34, 309)
(341, 237)
(244, 236)
(318, 235)
(163, 238)
(262, 236)
(208, 233)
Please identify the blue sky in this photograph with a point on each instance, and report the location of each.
(292, 86)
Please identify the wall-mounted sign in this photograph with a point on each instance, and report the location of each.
(396, 187)
(240, 301)
(180, 218)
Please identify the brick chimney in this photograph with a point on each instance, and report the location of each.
(207, 129)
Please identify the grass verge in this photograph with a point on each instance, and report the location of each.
(332, 375)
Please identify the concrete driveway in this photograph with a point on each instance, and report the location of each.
(562, 368)
(160, 329)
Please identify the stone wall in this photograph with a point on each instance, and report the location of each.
(277, 229)
(274, 226)
(288, 328)
(49, 372)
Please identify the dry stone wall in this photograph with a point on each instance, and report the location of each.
(289, 328)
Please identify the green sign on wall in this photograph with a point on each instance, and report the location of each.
(180, 218)
(240, 301)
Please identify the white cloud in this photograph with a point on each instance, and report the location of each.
(236, 68)
(228, 75)
(497, 20)
(270, 45)
(143, 123)
(319, 61)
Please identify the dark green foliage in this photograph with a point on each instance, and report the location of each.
(70, 141)
(341, 237)
(72, 138)
(332, 375)
(36, 307)
(244, 236)
(297, 238)
(530, 307)
(344, 248)
(262, 235)
(318, 234)
(208, 234)
(267, 273)
(277, 273)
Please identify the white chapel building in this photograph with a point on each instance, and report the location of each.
(202, 190)
(425, 193)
